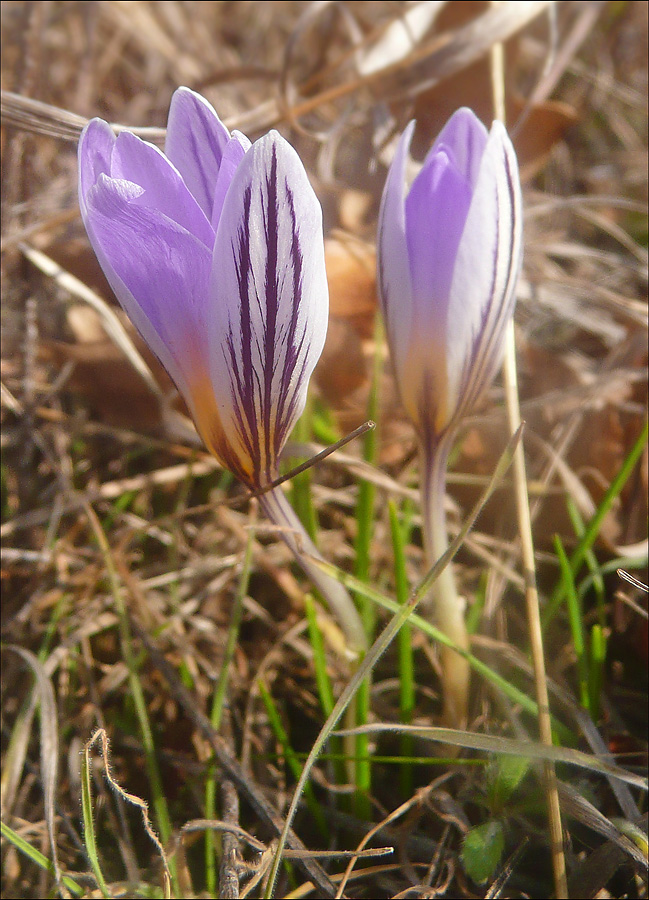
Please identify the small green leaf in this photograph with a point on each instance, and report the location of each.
(482, 850)
(505, 774)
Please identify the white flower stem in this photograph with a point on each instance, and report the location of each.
(446, 605)
(279, 510)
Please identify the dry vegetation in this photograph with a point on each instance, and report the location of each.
(115, 522)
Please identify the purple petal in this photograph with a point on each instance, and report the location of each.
(436, 210)
(163, 188)
(95, 152)
(464, 137)
(235, 150)
(270, 305)
(195, 142)
(159, 273)
(487, 267)
(395, 289)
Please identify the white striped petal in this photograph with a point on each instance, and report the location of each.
(270, 305)
(488, 261)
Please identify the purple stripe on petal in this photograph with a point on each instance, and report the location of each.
(272, 225)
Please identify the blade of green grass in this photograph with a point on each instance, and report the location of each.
(591, 561)
(323, 682)
(406, 659)
(596, 673)
(576, 619)
(89, 837)
(363, 552)
(292, 759)
(595, 523)
(38, 858)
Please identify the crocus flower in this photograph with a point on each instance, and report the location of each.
(214, 249)
(449, 254)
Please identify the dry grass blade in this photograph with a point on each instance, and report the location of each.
(212, 825)
(114, 328)
(49, 749)
(392, 817)
(100, 737)
(494, 744)
(444, 56)
(578, 807)
(36, 117)
(527, 538)
(40, 118)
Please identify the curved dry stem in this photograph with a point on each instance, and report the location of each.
(279, 511)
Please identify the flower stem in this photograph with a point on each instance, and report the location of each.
(278, 509)
(446, 605)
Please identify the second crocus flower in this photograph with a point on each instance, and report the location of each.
(449, 255)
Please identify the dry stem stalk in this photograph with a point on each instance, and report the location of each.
(527, 547)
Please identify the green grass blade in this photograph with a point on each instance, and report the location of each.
(595, 523)
(597, 667)
(406, 659)
(292, 759)
(38, 858)
(89, 823)
(576, 619)
(597, 579)
(323, 682)
(363, 553)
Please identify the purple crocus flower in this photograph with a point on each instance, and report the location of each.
(215, 250)
(449, 255)
(449, 258)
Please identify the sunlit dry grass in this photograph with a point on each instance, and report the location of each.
(124, 543)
